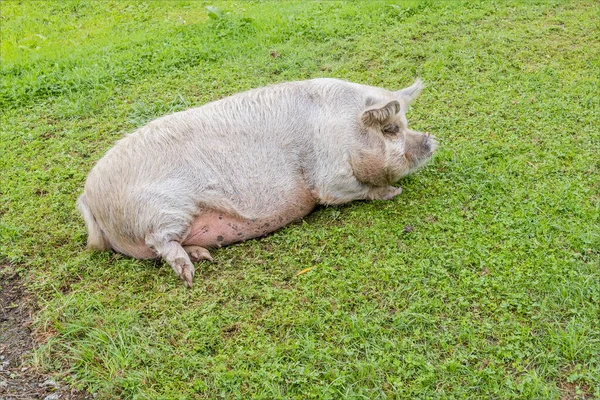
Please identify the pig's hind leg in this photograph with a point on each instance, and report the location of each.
(175, 255)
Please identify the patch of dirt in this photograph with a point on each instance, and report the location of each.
(571, 391)
(17, 379)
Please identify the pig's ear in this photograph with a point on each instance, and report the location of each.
(412, 92)
(378, 114)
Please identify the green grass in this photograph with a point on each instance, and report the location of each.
(495, 293)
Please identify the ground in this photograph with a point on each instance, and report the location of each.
(481, 280)
(17, 379)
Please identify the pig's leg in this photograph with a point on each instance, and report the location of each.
(366, 192)
(197, 253)
(383, 193)
(172, 252)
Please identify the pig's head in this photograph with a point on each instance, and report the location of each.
(399, 149)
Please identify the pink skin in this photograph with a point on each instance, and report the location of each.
(216, 229)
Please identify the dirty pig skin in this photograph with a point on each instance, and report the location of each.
(246, 165)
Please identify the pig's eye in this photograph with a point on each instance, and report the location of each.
(391, 130)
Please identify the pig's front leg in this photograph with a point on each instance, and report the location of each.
(365, 192)
(383, 193)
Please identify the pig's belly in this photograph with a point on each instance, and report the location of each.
(216, 229)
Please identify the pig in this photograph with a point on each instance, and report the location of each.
(246, 165)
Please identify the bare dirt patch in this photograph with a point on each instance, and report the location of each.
(571, 391)
(18, 380)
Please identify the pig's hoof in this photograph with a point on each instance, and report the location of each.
(389, 193)
(197, 253)
(393, 192)
(185, 270)
(383, 193)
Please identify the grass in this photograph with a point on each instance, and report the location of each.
(482, 280)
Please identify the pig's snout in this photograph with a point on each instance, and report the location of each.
(429, 143)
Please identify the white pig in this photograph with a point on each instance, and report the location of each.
(246, 165)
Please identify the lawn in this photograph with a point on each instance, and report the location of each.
(482, 280)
